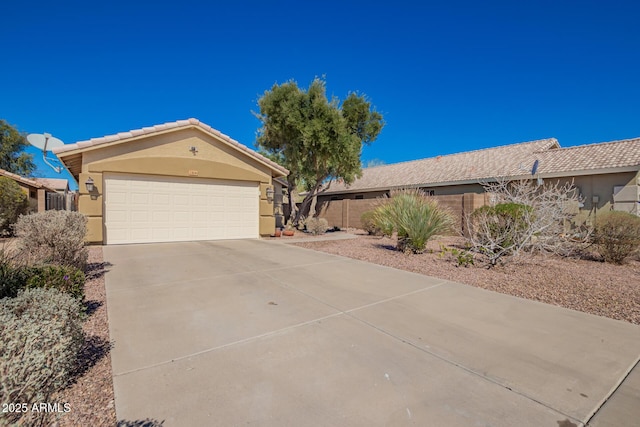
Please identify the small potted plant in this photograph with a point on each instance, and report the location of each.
(288, 229)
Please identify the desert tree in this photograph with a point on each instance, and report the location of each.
(318, 139)
(12, 155)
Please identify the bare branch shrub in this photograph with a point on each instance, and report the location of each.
(53, 237)
(539, 225)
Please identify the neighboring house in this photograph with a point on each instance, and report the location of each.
(607, 176)
(64, 199)
(178, 181)
(36, 191)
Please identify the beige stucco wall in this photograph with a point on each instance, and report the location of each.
(600, 186)
(169, 154)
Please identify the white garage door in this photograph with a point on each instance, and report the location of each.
(143, 209)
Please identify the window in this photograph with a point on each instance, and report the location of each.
(334, 198)
(359, 196)
(428, 192)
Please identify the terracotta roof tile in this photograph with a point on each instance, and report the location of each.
(55, 183)
(478, 164)
(27, 181)
(122, 136)
(605, 155)
(505, 161)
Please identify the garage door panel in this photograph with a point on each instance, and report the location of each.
(160, 199)
(140, 209)
(139, 198)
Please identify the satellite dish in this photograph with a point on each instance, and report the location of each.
(46, 142)
(534, 169)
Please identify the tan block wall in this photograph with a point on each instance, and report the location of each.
(454, 203)
(332, 212)
(346, 213)
(462, 200)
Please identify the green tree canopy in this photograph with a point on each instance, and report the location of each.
(12, 155)
(316, 138)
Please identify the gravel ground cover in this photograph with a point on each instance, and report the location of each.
(585, 285)
(90, 396)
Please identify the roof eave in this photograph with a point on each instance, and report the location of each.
(567, 174)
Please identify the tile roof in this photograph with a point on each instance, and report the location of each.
(56, 183)
(27, 181)
(122, 136)
(592, 157)
(475, 165)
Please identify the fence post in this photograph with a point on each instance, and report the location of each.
(345, 213)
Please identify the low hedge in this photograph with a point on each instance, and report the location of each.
(66, 279)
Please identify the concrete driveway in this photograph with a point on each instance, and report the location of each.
(262, 333)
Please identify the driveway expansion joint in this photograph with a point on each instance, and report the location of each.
(612, 391)
(463, 367)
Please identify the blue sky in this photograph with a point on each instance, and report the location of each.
(447, 77)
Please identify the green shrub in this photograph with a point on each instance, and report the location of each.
(462, 257)
(617, 235)
(54, 237)
(368, 222)
(41, 335)
(13, 203)
(503, 228)
(13, 276)
(414, 216)
(316, 226)
(66, 279)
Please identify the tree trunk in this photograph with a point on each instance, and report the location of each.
(312, 208)
(293, 209)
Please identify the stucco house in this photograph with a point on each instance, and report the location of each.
(607, 176)
(177, 181)
(37, 191)
(63, 198)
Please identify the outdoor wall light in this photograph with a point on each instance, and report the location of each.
(194, 150)
(90, 185)
(270, 194)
